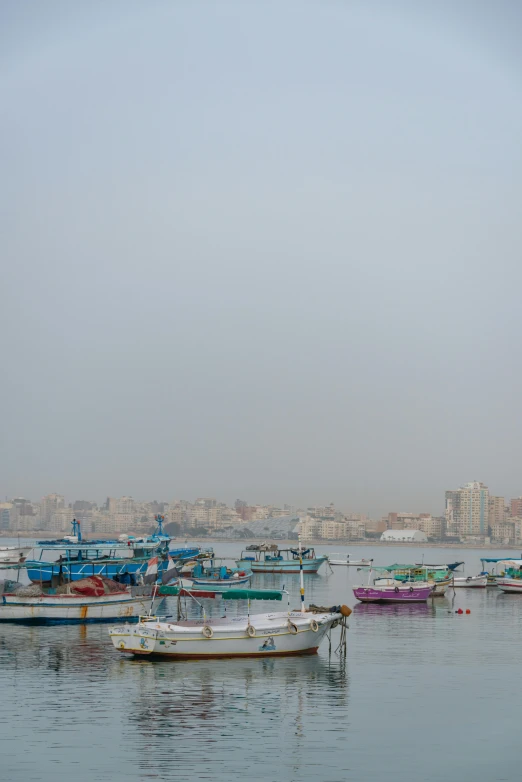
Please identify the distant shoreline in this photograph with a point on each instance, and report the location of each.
(46, 535)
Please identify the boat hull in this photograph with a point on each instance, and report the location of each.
(44, 573)
(353, 563)
(12, 554)
(283, 566)
(410, 594)
(472, 582)
(440, 587)
(275, 635)
(218, 585)
(510, 585)
(49, 609)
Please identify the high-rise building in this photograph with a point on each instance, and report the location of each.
(50, 504)
(452, 511)
(467, 510)
(516, 507)
(496, 510)
(61, 520)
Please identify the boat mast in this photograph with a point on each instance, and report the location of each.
(77, 530)
(301, 576)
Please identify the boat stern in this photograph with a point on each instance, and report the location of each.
(134, 639)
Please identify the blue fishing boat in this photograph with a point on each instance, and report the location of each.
(269, 558)
(124, 560)
(214, 575)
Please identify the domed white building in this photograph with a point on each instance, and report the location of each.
(403, 536)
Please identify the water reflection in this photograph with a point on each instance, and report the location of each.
(371, 610)
(227, 702)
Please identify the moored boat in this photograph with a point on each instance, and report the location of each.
(471, 582)
(251, 635)
(79, 559)
(389, 590)
(346, 561)
(436, 576)
(90, 600)
(495, 568)
(269, 558)
(11, 555)
(510, 585)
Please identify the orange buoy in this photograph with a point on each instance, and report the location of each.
(468, 611)
(345, 611)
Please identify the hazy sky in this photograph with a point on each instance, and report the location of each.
(268, 250)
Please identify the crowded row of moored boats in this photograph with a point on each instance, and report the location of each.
(74, 580)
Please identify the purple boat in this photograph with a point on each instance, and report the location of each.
(388, 590)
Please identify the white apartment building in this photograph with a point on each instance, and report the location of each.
(61, 521)
(49, 505)
(309, 528)
(334, 530)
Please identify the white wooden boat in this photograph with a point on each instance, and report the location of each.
(510, 585)
(471, 582)
(12, 555)
(344, 560)
(257, 635)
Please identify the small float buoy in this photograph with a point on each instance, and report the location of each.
(345, 611)
(468, 610)
(460, 611)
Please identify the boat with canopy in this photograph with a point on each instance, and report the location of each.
(386, 588)
(511, 580)
(499, 567)
(78, 558)
(269, 558)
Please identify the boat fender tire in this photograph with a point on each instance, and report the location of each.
(468, 578)
(397, 590)
(207, 631)
(292, 628)
(122, 645)
(314, 626)
(251, 631)
(411, 589)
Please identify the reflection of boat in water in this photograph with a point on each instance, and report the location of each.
(167, 698)
(363, 610)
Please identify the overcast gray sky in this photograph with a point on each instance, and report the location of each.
(263, 250)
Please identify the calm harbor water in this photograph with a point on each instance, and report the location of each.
(424, 694)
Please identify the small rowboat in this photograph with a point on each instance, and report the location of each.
(470, 582)
(344, 560)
